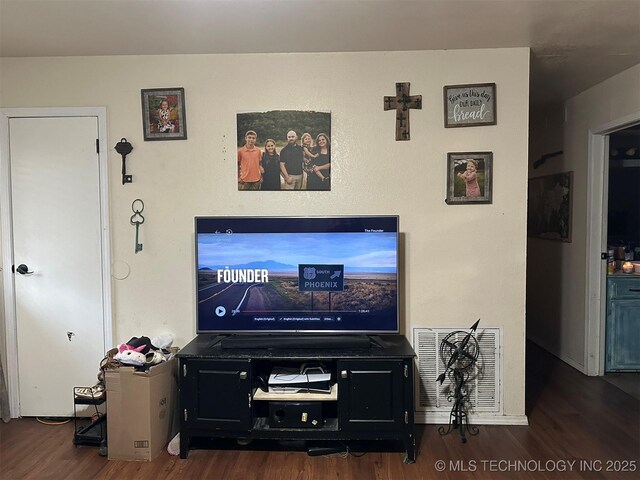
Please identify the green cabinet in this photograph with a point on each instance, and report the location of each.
(623, 324)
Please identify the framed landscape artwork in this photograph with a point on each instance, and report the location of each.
(550, 205)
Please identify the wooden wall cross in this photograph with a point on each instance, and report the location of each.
(401, 103)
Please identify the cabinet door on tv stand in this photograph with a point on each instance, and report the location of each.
(371, 394)
(216, 394)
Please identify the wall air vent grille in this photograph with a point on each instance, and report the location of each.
(484, 382)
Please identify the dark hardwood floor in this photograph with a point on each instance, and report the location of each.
(579, 428)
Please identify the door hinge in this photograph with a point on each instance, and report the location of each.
(186, 415)
(603, 255)
(406, 417)
(406, 371)
(97, 145)
(184, 370)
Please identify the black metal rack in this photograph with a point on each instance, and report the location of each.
(95, 433)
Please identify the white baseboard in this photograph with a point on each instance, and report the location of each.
(442, 418)
(552, 351)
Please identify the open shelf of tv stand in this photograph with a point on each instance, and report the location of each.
(260, 395)
(372, 398)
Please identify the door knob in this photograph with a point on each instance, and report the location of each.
(22, 269)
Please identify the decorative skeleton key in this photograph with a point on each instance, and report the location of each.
(124, 148)
(137, 219)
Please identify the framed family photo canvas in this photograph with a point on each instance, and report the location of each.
(470, 105)
(163, 114)
(282, 150)
(469, 177)
(549, 212)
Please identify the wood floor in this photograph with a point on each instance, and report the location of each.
(580, 428)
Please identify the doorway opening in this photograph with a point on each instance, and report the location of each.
(622, 310)
(597, 238)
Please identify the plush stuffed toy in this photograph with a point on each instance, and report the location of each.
(142, 351)
(130, 355)
(145, 342)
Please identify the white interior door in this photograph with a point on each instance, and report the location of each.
(55, 195)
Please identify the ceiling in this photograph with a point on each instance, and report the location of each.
(575, 44)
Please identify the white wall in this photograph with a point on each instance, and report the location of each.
(557, 299)
(459, 263)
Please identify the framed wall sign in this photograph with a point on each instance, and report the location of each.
(163, 114)
(469, 177)
(549, 212)
(470, 105)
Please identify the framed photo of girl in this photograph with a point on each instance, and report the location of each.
(469, 177)
(163, 114)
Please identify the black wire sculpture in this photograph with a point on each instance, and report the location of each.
(459, 357)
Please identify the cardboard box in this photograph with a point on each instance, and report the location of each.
(142, 411)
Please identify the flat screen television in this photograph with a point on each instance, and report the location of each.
(297, 274)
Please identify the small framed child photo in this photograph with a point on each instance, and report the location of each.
(163, 114)
(469, 176)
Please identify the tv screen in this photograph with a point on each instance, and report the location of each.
(297, 274)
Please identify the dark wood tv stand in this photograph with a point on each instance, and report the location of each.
(371, 399)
